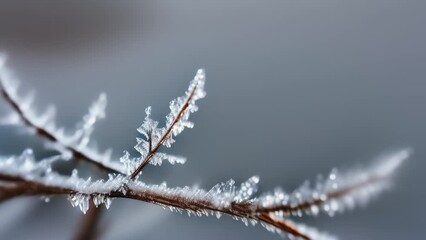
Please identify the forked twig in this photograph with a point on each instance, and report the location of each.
(24, 176)
(152, 151)
(217, 200)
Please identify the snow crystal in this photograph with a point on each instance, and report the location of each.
(159, 157)
(247, 189)
(25, 164)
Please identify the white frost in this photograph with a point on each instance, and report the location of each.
(365, 184)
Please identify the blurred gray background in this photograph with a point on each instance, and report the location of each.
(294, 89)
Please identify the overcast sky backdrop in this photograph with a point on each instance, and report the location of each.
(294, 88)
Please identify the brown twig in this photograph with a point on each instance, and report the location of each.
(20, 185)
(288, 209)
(243, 209)
(237, 209)
(152, 152)
(282, 224)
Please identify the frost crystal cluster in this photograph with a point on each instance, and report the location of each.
(154, 137)
(23, 175)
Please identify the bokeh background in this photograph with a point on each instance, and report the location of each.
(294, 89)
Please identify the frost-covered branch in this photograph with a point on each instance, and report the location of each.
(337, 193)
(23, 175)
(177, 120)
(71, 145)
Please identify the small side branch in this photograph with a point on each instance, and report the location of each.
(44, 133)
(325, 197)
(153, 150)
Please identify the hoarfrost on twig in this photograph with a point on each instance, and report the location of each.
(23, 175)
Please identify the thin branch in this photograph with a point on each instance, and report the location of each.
(87, 229)
(283, 225)
(29, 188)
(288, 209)
(44, 133)
(244, 209)
(10, 178)
(224, 198)
(165, 135)
(8, 191)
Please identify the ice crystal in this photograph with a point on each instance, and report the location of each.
(80, 200)
(25, 164)
(247, 189)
